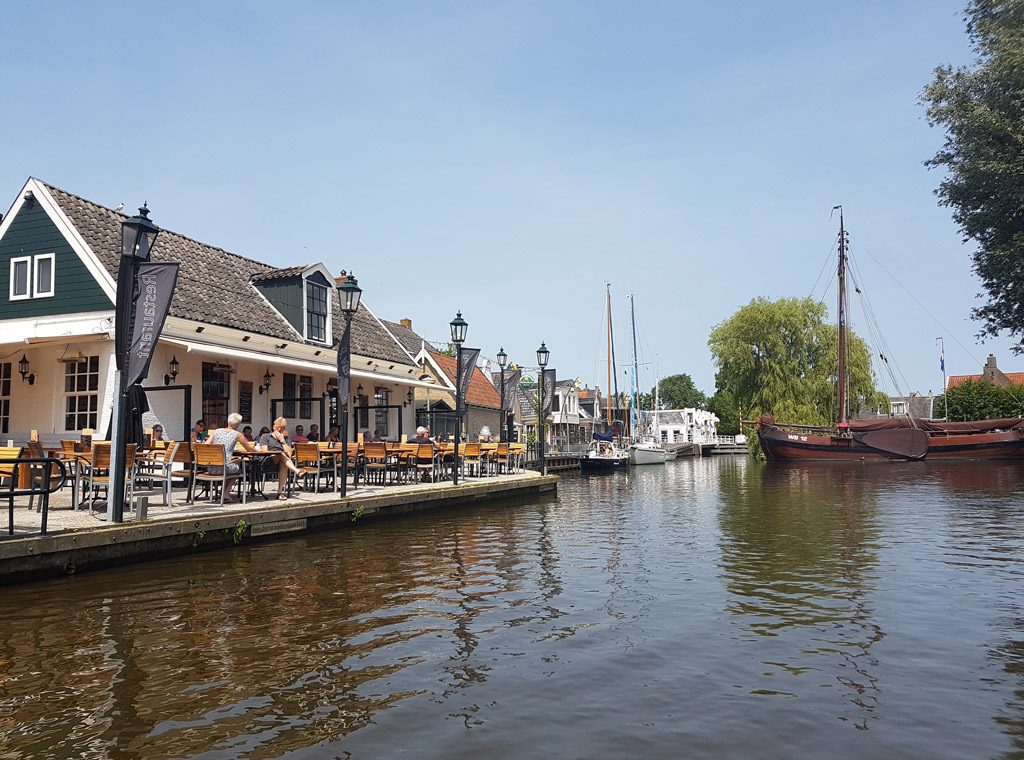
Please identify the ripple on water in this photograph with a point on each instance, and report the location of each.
(713, 607)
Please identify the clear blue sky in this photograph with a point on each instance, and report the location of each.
(509, 158)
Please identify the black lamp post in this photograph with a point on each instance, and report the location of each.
(138, 235)
(542, 361)
(349, 293)
(459, 327)
(502, 361)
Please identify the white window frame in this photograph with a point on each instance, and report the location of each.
(36, 293)
(27, 260)
(328, 330)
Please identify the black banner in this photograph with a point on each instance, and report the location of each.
(549, 391)
(345, 364)
(151, 300)
(511, 384)
(470, 356)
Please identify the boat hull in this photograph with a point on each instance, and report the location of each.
(789, 446)
(642, 456)
(604, 464)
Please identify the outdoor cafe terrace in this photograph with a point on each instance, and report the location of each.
(374, 469)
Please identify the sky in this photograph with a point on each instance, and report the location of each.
(509, 159)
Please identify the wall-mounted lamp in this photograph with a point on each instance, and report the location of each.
(267, 377)
(408, 397)
(359, 393)
(173, 369)
(332, 387)
(25, 371)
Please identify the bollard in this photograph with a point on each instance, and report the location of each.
(141, 508)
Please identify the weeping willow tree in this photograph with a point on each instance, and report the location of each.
(782, 357)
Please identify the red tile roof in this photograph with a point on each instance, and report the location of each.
(1017, 378)
(481, 392)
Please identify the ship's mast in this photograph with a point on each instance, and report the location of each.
(842, 320)
(633, 406)
(608, 388)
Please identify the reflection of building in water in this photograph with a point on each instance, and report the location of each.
(798, 546)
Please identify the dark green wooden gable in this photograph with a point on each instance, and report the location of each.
(75, 289)
(286, 296)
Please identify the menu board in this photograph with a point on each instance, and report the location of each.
(245, 400)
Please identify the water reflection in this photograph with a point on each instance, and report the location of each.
(799, 547)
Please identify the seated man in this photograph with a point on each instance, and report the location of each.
(300, 435)
(422, 436)
(313, 436)
(277, 441)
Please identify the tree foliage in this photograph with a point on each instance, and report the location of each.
(980, 400)
(676, 392)
(782, 357)
(724, 406)
(981, 108)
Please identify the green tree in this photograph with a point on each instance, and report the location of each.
(981, 108)
(980, 400)
(675, 392)
(782, 357)
(724, 406)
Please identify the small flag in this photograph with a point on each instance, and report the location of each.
(942, 359)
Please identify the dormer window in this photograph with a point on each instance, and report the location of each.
(316, 312)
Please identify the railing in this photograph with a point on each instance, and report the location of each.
(43, 475)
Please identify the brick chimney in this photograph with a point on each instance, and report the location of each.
(992, 374)
(405, 322)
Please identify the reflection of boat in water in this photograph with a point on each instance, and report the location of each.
(887, 439)
(604, 456)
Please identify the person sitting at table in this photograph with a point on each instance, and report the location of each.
(277, 441)
(263, 431)
(300, 435)
(229, 437)
(485, 435)
(199, 433)
(334, 434)
(247, 432)
(378, 436)
(422, 436)
(313, 436)
(158, 433)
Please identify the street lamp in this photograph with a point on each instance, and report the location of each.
(459, 327)
(502, 361)
(138, 235)
(174, 368)
(349, 294)
(542, 361)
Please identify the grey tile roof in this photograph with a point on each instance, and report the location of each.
(215, 286)
(406, 336)
(280, 274)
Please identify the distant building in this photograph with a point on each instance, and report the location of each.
(684, 425)
(990, 373)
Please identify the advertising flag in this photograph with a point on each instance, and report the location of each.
(154, 289)
(345, 364)
(470, 356)
(511, 383)
(549, 390)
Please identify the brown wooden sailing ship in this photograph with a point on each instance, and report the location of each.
(886, 439)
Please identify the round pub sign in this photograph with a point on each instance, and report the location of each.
(526, 382)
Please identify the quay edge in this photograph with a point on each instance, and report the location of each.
(35, 558)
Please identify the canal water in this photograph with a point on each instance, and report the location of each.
(709, 608)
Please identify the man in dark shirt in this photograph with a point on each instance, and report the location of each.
(313, 436)
(421, 436)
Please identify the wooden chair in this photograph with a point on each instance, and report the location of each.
(160, 469)
(502, 459)
(426, 461)
(375, 460)
(312, 463)
(469, 458)
(212, 465)
(97, 470)
(517, 456)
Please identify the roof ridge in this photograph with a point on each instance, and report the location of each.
(162, 229)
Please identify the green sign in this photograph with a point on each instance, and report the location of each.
(527, 382)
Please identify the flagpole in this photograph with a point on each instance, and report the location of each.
(942, 364)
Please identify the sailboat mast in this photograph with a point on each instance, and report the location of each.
(608, 309)
(611, 343)
(842, 320)
(633, 406)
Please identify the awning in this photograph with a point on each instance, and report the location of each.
(285, 361)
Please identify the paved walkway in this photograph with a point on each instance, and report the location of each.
(62, 518)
